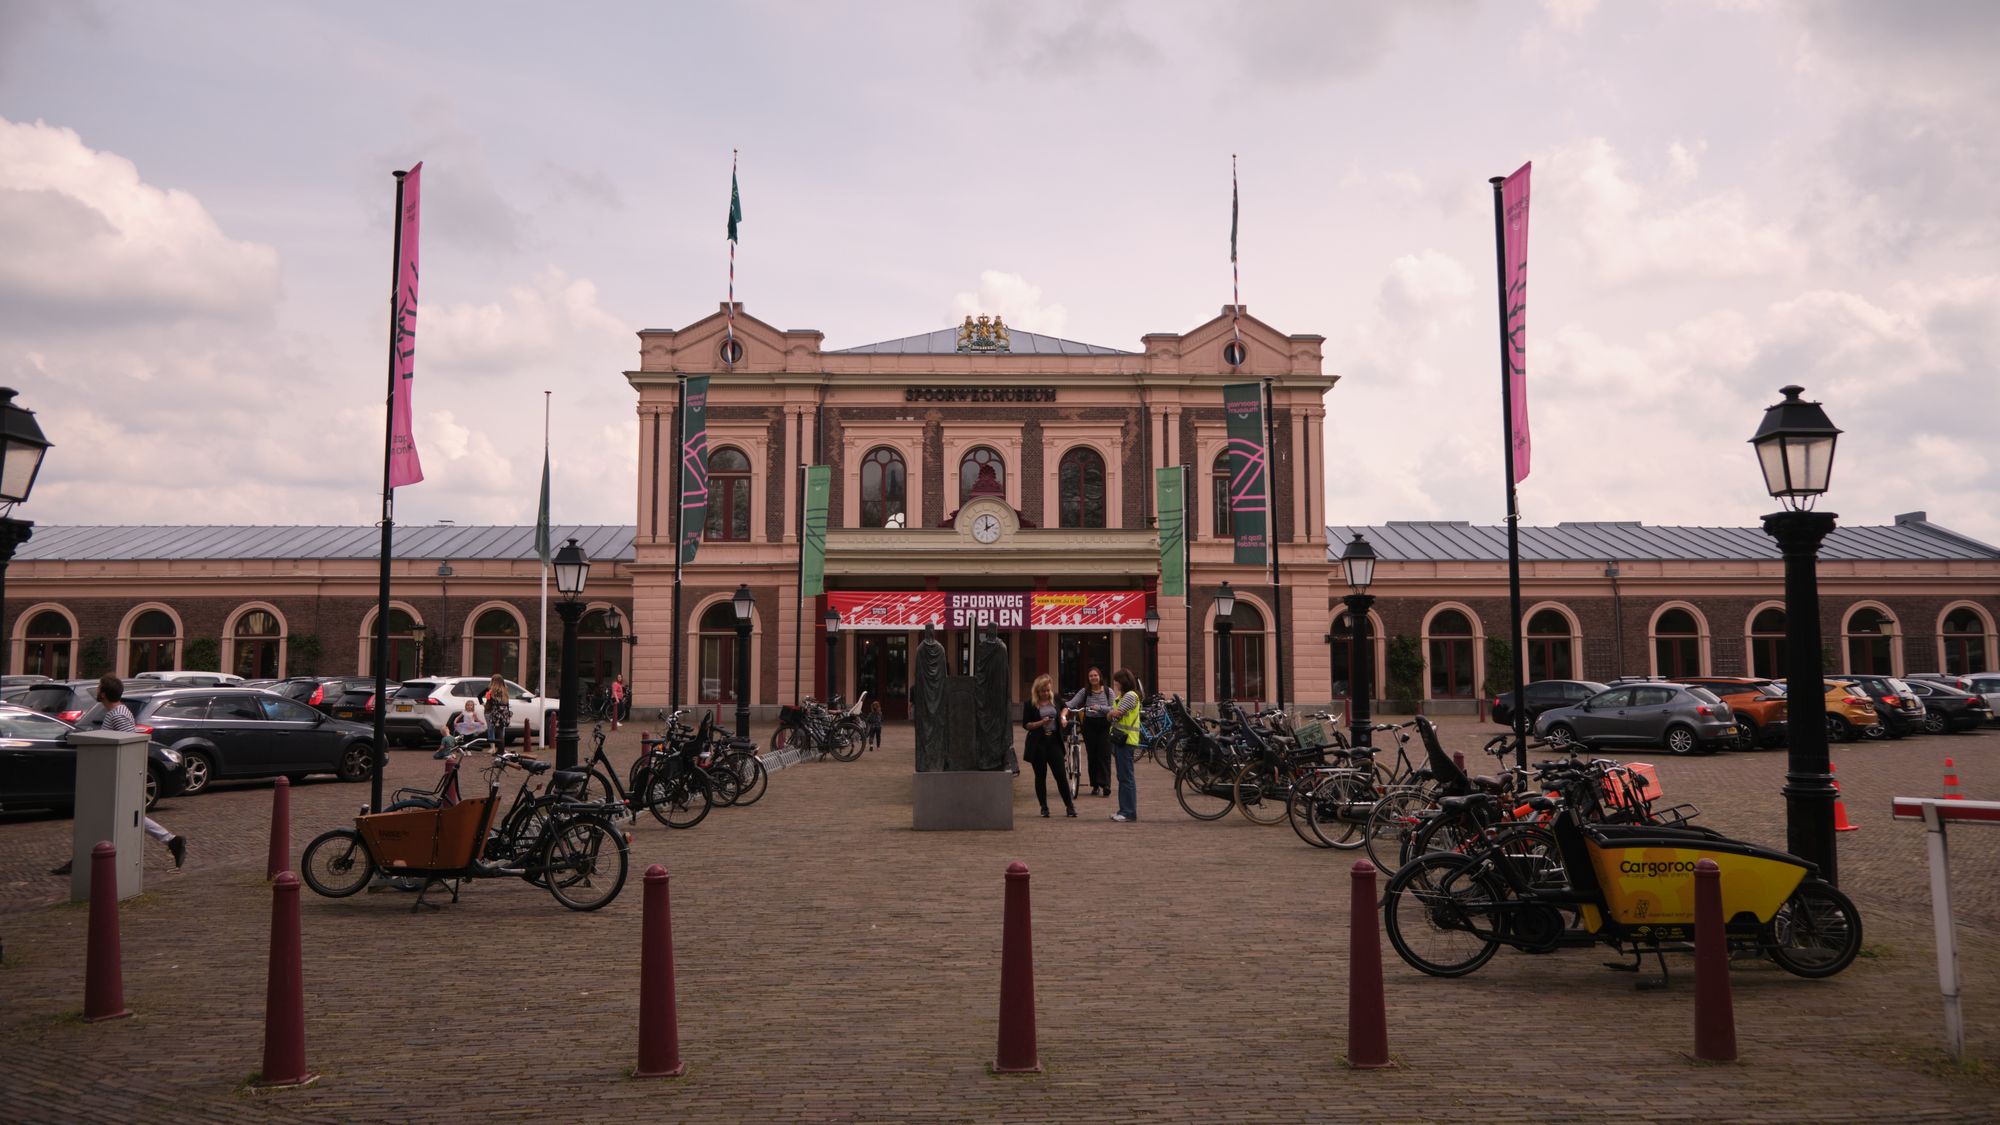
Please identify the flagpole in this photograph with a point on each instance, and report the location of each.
(799, 614)
(1271, 539)
(542, 641)
(680, 486)
(381, 653)
(1507, 445)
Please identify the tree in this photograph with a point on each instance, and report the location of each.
(1406, 672)
(95, 658)
(203, 655)
(305, 654)
(1499, 666)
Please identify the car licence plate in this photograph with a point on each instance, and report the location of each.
(1731, 730)
(406, 706)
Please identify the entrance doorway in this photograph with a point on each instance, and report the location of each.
(882, 669)
(1078, 653)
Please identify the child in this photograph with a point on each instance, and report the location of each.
(468, 723)
(873, 717)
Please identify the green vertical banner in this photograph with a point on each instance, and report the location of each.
(694, 465)
(819, 481)
(1249, 471)
(1171, 504)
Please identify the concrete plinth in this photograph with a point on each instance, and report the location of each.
(962, 801)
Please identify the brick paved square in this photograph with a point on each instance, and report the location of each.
(835, 966)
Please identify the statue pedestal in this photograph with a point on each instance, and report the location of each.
(962, 801)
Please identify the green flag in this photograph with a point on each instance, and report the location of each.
(542, 517)
(694, 465)
(1172, 506)
(819, 481)
(1249, 483)
(735, 205)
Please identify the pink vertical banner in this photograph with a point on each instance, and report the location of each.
(1514, 209)
(404, 465)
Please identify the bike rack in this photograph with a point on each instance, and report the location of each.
(1936, 812)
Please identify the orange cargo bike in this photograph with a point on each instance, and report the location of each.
(572, 847)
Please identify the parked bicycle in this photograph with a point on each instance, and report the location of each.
(827, 731)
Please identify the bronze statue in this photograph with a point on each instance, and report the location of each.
(927, 703)
(993, 725)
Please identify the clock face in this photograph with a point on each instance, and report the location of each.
(986, 528)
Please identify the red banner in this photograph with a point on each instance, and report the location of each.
(907, 611)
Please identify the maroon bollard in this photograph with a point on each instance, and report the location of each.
(1367, 1011)
(1714, 1012)
(1017, 980)
(1458, 759)
(285, 992)
(659, 1021)
(280, 859)
(103, 969)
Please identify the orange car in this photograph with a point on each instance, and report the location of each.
(1849, 712)
(1760, 712)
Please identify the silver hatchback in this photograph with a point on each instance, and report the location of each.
(1679, 717)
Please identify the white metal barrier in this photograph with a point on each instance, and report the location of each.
(1936, 812)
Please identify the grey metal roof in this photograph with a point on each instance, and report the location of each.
(945, 342)
(1912, 537)
(610, 542)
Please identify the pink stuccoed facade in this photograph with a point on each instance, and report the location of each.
(938, 406)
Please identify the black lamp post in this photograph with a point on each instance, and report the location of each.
(1225, 613)
(1795, 450)
(1153, 647)
(742, 603)
(444, 612)
(417, 631)
(21, 449)
(832, 620)
(572, 569)
(1358, 560)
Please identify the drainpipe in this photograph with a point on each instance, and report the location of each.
(1617, 617)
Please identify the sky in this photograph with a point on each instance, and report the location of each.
(1729, 196)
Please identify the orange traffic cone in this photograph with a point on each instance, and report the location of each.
(1840, 822)
(1951, 792)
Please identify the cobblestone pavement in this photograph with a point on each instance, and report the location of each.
(835, 966)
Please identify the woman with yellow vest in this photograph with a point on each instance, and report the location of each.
(1125, 741)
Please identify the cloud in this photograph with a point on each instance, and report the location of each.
(1569, 15)
(84, 236)
(1014, 299)
(1065, 40)
(1293, 43)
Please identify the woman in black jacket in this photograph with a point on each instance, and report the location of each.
(1043, 720)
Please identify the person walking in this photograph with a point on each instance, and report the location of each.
(1125, 742)
(499, 713)
(1042, 719)
(617, 699)
(118, 717)
(1093, 703)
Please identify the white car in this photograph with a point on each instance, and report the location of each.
(192, 679)
(420, 709)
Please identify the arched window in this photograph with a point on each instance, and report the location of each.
(728, 496)
(976, 462)
(600, 649)
(1246, 653)
(1550, 655)
(255, 642)
(1218, 491)
(402, 647)
(1080, 484)
(154, 639)
(1451, 652)
(1870, 642)
(1768, 652)
(1964, 642)
(496, 644)
(1677, 644)
(718, 655)
(48, 645)
(884, 482)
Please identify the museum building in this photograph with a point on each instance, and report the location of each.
(986, 476)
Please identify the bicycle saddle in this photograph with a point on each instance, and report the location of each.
(532, 765)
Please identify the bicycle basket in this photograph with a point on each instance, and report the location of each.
(790, 716)
(1313, 735)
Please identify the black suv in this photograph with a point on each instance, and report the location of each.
(324, 693)
(1898, 708)
(72, 701)
(237, 732)
(1542, 696)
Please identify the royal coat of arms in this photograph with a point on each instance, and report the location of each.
(987, 334)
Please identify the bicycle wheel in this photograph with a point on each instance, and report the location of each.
(1262, 792)
(1390, 823)
(1440, 915)
(847, 742)
(751, 777)
(337, 863)
(1339, 811)
(723, 784)
(1206, 793)
(1298, 811)
(597, 787)
(679, 803)
(1816, 933)
(780, 738)
(584, 861)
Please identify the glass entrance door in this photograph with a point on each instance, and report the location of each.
(882, 669)
(1078, 653)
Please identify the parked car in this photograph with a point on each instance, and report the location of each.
(1542, 695)
(40, 764)
(356, 702)
(419, 709)
(1898, 708)
(1850, 714)
(192, 678)
(1978, 683)
(1949, 710)
(321, 693)
(1759, 711)
(246, 732)
(20, 680)
(71, 700)
(1681, 718)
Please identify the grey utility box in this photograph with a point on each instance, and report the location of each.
(110, 800)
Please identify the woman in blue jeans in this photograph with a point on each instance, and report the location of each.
(1124, 741)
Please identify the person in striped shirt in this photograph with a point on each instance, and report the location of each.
(118, 717)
